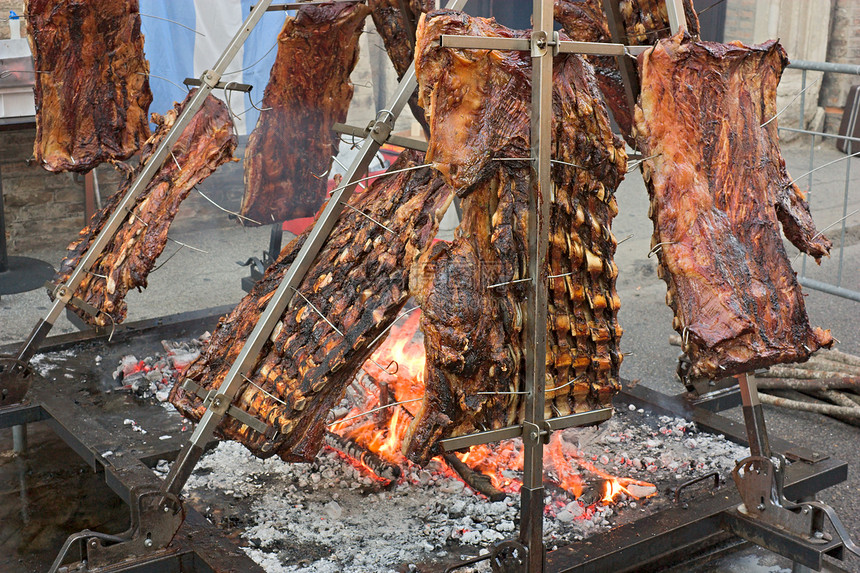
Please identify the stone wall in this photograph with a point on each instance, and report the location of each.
(46, 210)
(740, 20)
(5, 6)
(844, 48)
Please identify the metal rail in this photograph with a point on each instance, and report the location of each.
(836, 287)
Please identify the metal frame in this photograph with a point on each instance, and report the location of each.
(834, 288)
(700, 520)
(535, 430)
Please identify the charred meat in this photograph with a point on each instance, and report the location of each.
(207, 142)
(477, 104)
(92, 86)
(644, 21)
(290, 151)
(396, 21)
(351, 294)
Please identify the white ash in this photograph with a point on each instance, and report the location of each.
(328, 516)
(43, 364)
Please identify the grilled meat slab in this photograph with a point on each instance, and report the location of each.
(207, 142)
(397, 29)
(358, 282)
(719, 190)
(92, 86)
(478, 106)
(645, 21)
(290, 150)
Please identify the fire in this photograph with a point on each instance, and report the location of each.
(611, 489)
(395, 373)
(568, 478)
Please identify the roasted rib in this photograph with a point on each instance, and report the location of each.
(207, 142)
(718, 185)
(396, 22)
(290, 150)
(92, 82)
(358, 283)
(478, 106)
(644, 21)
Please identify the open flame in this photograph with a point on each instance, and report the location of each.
(395, 373)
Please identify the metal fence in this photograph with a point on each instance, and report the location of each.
(838, 258)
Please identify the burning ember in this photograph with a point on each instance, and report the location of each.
(387, 393)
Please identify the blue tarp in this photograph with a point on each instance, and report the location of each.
(176, 53)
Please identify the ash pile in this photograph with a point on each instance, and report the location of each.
(334, 515)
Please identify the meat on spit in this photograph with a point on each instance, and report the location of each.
(719, 190)
(471, 291)
(92, 82)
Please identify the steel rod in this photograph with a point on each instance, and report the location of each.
(677, 19)
(532, 492)
(753, 417)
(4, 254)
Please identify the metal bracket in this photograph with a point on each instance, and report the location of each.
(232, 86)
(380, 129)
(15, 378)
(210, 78)
(155, 518)
(760, 481)
(540, 42)
(220, 405)
(536, 433)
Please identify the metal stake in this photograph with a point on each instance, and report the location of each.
(532, 492)
(753, 417)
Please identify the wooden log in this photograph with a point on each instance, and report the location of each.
(804, 385)
(381, 468)
(852, 414)
(475, 480)
(827, 366)
(838, 356)
(790, 372)
(836, 397)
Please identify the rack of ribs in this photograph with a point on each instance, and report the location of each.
(645, 21)
(719, 189)
(290, 151)
(353, 292)
(207, 142)
(478, 106)
(92, 82)
(396, 22)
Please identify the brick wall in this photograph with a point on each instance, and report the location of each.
(740, 20)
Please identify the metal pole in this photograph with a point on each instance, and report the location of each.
(677, 18)
(209, 79)
(753, 417)
(532, 492)
(4, 255)
(19, 439)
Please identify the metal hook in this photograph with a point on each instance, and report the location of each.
(659, 247)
